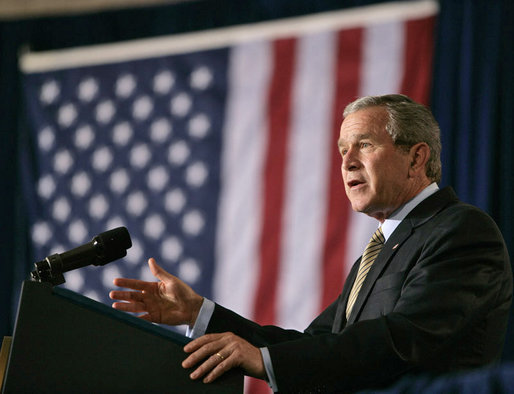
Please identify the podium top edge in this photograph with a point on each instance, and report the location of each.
(103, 309)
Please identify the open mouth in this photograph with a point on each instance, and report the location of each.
(354, 184)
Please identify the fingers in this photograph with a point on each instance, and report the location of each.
(215, 355)
(201, 348)
(126, 295)
(137, 284)
(134, 284)
(215, 366)
(203, 340)
(131, 296)
(157, 270)
(134, 301)
(134, 307)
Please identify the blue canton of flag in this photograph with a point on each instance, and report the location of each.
(133, 144)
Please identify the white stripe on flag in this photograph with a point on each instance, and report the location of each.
(307, 178)
(244, 143)
(382, 67)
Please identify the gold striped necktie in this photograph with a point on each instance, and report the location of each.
(373, 248)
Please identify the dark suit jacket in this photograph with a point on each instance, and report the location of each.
(435, 300)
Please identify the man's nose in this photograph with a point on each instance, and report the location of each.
(350, 160)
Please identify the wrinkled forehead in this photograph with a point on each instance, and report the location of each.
(363, 123)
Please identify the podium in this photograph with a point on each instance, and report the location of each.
(66, 343)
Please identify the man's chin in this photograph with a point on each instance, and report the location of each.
(371, 211)
(360, 207)
(363, 207)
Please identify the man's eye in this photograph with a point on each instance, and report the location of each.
(365, 144)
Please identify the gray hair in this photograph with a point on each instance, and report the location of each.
(409, 123)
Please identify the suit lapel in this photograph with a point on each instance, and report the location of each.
(399, 236)
(419, 215)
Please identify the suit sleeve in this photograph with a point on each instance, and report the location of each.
(226, 320)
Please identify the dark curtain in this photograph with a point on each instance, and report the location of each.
(472, 99)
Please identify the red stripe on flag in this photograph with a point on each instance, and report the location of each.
(279, 101)
(338, 212)
(418, 56)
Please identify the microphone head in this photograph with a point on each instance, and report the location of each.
(112, 245)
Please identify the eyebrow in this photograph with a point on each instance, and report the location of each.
(355, 137)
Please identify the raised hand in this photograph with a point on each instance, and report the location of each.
(168, 301)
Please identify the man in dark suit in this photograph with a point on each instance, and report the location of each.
(431, 292)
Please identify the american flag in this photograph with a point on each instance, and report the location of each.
(217, 150)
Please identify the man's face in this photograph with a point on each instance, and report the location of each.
(375, 171)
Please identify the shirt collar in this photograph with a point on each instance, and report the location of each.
(397, 216)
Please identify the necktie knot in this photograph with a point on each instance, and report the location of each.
(373, 248)
(378, 236)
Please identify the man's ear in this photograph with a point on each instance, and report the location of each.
(419, 155)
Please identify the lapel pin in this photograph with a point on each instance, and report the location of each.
(395, 246)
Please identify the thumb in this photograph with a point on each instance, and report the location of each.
(157, 270)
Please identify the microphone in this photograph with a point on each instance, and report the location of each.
(104, 248)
